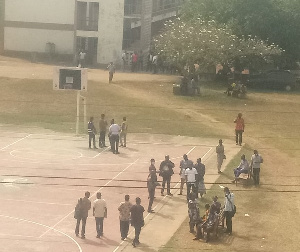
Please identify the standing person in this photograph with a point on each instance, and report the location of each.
(151, 185)
(191, 175)
(200, 186)
(185, 163)
(84, 212)
(111, 70)
(256, 160)
(228, 209)
(92, 132)
(140, 60)
(154, 63)
(99, 212)
(220, 155)
(149, 62)
(239, 129)
(102, 129)
(166, 172)
(124, 60)
(137, 220)
(134, 62)
(124, 210)
(114, 131)
(82, 56)
(123, 134)
(194, 213)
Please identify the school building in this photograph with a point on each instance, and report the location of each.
(61, 28)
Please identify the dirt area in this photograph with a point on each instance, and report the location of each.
(272, 127)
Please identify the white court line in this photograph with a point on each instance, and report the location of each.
(42, 225)
(90, 197)
(100, 152)
(116, 249)
(37, 202)
(15, 142)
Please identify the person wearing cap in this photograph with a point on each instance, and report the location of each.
(256, 160)
(239, 129)
(184, 163)
(166, 172)
(220, 155)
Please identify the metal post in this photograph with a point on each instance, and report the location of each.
(84, 114)
(78, 112)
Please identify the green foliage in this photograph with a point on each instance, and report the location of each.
(185, 42)
(276, 21)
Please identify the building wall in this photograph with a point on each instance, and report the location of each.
(40, 11)
(110, 37)
(30, 24)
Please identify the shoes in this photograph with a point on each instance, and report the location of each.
(162, 194)
(95, 147)
(90, 147)
(122, 238)
(170, 194)
(124, 145)
(236, 144)
(76, 234)
(83, 237)
(98, 236)
(227, 232)
(133, 244)
(240, 144)
(117, 152)
(179, 193)
(114, 152)
(151, 211)
(196, 239)
(233, 181)
(219, 172)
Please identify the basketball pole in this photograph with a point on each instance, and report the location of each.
(78, 112)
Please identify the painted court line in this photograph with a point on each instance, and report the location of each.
(105, 149)
(16, 142)
(42, 225)
(90, 197)
(37, 202)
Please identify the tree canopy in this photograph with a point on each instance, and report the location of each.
(186, 42)
(275, 21)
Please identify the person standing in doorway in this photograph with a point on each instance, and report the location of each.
(99, 212)
(137, 220)
(185, 163)
(82, 55)
(111, 70)
(114, 131)
(220, 155)
(166, 172)
(256, 160)
(102, 129)
(92, 132)
(84, 212)
(228, 209)
(123, 134)
(134, 62)
(124, 210)
(239, 129)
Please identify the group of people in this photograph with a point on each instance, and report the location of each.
(128, 213)
(214, 214)
(116, 133)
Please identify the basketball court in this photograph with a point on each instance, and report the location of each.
(44, 174)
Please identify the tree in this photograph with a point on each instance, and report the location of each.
(184, 43)
(275, 21)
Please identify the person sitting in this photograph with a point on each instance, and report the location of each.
(215, 206)
(242, 168)
(193, 210)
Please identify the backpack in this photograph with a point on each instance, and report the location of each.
(78, 209)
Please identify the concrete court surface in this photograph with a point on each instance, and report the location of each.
(43, 175)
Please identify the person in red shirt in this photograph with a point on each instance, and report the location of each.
(239, 129)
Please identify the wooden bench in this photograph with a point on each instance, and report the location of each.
(244, 178)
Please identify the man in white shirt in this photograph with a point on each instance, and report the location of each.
(185, 163)
(228, 209)
(190, 178)
(256, 160)
(99, 211)
(242, 168)
(114, 131)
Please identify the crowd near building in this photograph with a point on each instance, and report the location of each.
(61, 29)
